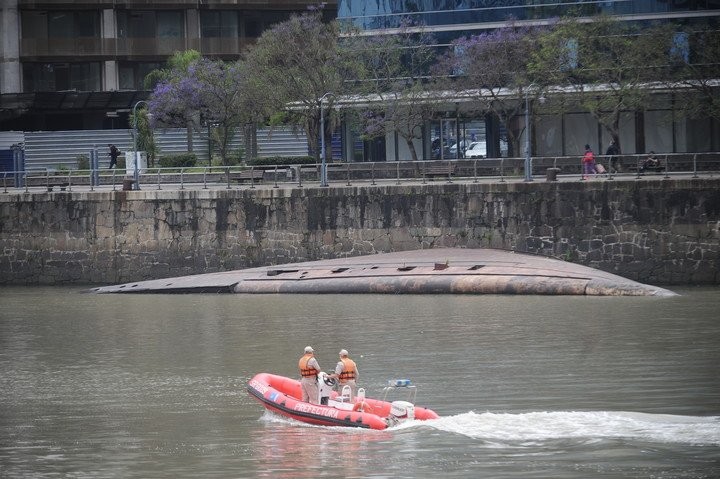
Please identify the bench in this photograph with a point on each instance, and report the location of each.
(62, 186)
(640, 170)
(439, 170)
(248, 175)
(656, 169)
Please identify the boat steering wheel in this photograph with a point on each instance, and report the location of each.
(329, 381)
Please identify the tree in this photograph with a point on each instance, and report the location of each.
(694, 70)
(298, 62)
(141, 124)
(176, 69)
(396, 69)
(493, 68)
(217, 92)
(606, 65)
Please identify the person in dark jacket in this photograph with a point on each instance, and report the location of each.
(612, 152)
(114, 153)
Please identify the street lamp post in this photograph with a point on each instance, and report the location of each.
(136, 171)
(323, 165)
(528, 159)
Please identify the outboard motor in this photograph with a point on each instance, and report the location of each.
(400, 411)
(325, 387)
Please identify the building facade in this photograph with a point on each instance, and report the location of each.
(80, 64)
(656, 128)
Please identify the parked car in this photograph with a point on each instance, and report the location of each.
(463, 146)
(476, 150)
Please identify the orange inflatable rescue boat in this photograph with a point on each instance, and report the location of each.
(282, 395)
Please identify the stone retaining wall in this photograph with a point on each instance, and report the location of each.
(657, 232)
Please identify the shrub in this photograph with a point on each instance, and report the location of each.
(83, 162)
(282, 160)
(180, 160)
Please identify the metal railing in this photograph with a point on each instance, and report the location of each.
(566, 168)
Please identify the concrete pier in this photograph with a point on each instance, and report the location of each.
(433, 271)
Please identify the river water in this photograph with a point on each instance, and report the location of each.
(139, 386)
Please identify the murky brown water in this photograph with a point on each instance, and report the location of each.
(109, 386)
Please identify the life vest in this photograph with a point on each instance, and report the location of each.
(349, 369)
(305, 371)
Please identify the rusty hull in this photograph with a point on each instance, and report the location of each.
(433, 271)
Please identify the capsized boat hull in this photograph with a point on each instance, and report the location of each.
(281, 395)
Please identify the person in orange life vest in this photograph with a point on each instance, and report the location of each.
(588, 162)
(309, 370)
(346, 373)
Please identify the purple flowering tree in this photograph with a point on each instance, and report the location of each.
(493, 69)
(176, 69)
(211, 91)
(396, 69)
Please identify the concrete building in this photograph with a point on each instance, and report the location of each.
(80, 64)
(554, 135)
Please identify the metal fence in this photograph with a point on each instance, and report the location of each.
(47, 150)
(339, 174)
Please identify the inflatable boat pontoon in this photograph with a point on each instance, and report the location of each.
(283, 395)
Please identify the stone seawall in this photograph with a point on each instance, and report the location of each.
(652, 231)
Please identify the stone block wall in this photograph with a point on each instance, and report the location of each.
(658, 232)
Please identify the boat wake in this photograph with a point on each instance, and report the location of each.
(540, 427)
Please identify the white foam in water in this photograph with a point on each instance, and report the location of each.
(543, 426)
(546, 426)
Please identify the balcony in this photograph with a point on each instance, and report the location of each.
(58, 47)
(150, 46)
(223, 46)
(107, 47)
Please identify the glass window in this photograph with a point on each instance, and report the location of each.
(60, 24)
(170, 25)
(219, 23)
(257, 21)
(150, 24)
(85, 76)
(131, 75)
(548, 135)
(87, 24)
(61, 76)
(136, 24)
(659, 131)
(34, 24)
(580, 129)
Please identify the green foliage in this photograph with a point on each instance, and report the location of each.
(83, 162)
(282, 160)
(298, 62)
(179, 160)
(145, 135)
(693, 77)
(236, 157)
(605, 65)
(395, 68)
(280, 118)
(180, 61)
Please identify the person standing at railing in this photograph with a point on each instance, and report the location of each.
(588, 162)
(612, 152)
(114, 153)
